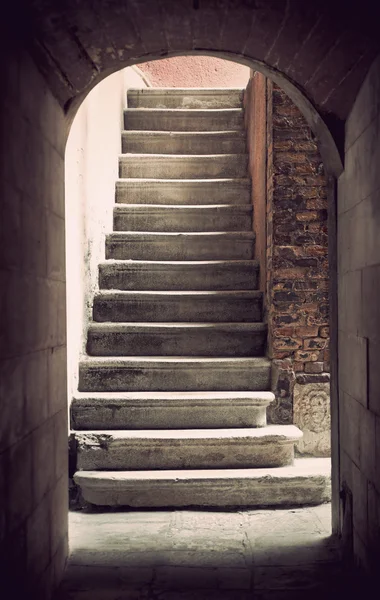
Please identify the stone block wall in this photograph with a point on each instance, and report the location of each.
(296, 263)
(33, 399)
(359, 326)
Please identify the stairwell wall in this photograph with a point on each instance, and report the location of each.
(33, 397)
(289, 195)
(359, 326)
(91, 170)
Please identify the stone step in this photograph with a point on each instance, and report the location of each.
(243, 448)
(186, 166)
(307, 482)
(179, 275)
(174, 374)
(185, 98)
(179, 119)
(238, 245)
(233, 306)
(176, 339)
(184, 142)
(171, 218)
(183, 191)
(170, 410)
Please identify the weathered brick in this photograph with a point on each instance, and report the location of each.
(324, 332)
(306, 356)
(298, 366)
(283, 331)
(306, 332)
(287, 343)
(314, 367)
(314, 343)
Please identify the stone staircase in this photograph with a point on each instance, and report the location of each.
(171, 408)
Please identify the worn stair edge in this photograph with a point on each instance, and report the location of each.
(198, 245)
(307, 482)
(173, 410)
(176, 166)
(131, 374)
(178, 306)
(183, 191)
(182, 119)
(271, 446)
(182, 218)
(176, 339)
(179, 275)
(185, 98)
(184, 142)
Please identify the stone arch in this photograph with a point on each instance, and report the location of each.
(330, 148)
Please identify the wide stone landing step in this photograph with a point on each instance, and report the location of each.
(307, 482)
(174, 374)
(194, 275)
(170, 410)
(271, 446)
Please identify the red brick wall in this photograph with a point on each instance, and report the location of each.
(297, 263)
(295, 258)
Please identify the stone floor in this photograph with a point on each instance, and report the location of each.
(196, 555)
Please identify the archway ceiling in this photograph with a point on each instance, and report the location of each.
(322, 46)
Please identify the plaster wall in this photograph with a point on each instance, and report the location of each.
(91, 169)
(196, 71)
(359, 324)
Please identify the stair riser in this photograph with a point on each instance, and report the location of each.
(187, 343)
(173, 416)
(166, 121)
(213, 277)
(184, 168)
(217, 220)
(274, 491)
(184, 99)
(169, 143)
(180, 192)
(177, 378)
(180, 309)
(178, 248)
(143, 454)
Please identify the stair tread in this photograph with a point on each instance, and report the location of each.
(130, 262)
(177, 156)
(251, 396)
(183, 207)
(161, 361)
(163, 132)
(182, 111)
(302, 468)
(187, 234)
(180, 293)
(264, 434)
(180, 90)
(140, 326)
(197, 180)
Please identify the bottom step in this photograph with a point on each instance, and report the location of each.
(307, 482)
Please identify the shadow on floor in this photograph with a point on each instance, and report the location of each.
(196, 555)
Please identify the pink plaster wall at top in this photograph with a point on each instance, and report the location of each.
(196, 71)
